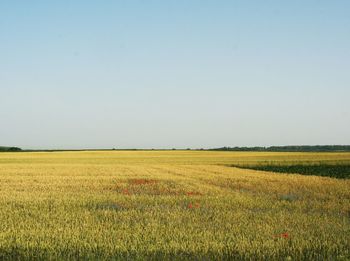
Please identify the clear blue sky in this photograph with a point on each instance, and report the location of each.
(163, 74)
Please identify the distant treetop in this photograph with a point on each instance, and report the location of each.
(9, 149)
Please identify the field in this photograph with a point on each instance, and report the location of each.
(174, 205)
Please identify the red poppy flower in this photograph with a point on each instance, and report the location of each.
(283, 235)
(193, 193)
(195, 205)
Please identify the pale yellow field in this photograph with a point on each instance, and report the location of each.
(169, 205)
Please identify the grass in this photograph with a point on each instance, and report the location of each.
(173, 205)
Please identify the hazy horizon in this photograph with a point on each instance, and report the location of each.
(178, 148)
(184, 74)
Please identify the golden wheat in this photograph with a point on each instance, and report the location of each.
(179, 205)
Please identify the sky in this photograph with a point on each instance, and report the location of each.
(174, 74)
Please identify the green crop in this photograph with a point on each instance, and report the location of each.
(335, 170)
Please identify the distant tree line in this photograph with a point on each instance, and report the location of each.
(302, 148)
(9, 149)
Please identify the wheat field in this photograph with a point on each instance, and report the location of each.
(170, 205)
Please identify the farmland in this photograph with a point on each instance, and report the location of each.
(177, 205)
